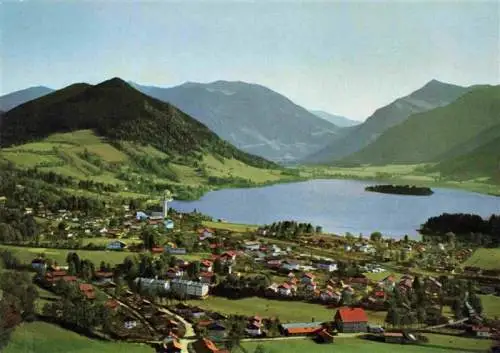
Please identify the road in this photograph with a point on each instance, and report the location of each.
(189, 336)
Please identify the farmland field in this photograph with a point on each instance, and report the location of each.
(486, 259)
(491, 305)
(285, 310)
(27, 254)
(40, 337)
(437, 344)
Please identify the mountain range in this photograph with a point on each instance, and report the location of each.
(117, 111)
(11, 100)
(251, 117)
(340, 121)
(461, 131)
(453, 129)
(433, 95)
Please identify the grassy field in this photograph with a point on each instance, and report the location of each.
(40, 337)
(397, 173)
(63, 154)
(486, 259)
(286, 311)
(437, 344)
(234, 227)
(491, 305)
(27, 254)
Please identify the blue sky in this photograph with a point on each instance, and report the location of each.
(345, 58)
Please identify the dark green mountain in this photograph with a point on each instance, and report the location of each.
(340, 121)
(252, 117)
(12, 100)
(480, 157)
(433, 95)
(115, 110)
(440, 133)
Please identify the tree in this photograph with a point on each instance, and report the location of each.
(218, 267)
(376, 237)
(193, 269)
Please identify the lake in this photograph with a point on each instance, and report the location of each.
(339, 206)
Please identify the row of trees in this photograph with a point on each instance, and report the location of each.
(415, 306)
(290, 229)
(467, 228)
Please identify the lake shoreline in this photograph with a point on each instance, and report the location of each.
(338, 205)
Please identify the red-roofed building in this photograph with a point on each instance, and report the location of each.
(157, 250)
(206, 266)
(285, 289)
(112, 304)
(307, 278)
(204, 345)
(350, 320)
(228, 256)
(87, 290)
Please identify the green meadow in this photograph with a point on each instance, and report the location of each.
(437, 344)
(41, 337)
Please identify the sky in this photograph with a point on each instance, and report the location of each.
(347, 58)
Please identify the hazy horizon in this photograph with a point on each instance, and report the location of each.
(343, 58)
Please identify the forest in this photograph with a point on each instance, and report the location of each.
(467, 228)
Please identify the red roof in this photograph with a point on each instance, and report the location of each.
(229, 254)
(309, 275)
(285, 285)
(302, 330)
(352, 315)
(87, 290)
(157, 250)
(112, 304)
(206, 263)
(104, 274)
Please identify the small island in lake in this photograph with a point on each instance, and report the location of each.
(401, 190)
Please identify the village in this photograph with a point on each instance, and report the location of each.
(386, 290)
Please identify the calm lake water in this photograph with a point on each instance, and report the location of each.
(339, 206)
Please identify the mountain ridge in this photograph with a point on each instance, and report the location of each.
(339, 120)
(432, 95)
(13, 99)
(435, 134)
(251, 116)
(137, 117)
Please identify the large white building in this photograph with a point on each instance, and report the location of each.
(159, 286)
(185, 288)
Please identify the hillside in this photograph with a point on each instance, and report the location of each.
(115, 110)
(425, 137)
(433, 95)
(12, 100)
(252, 117)
(340, 121)
(128, 169)
(481, 162)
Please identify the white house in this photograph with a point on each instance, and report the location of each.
(367, 248)
(206, 266)
(290, 265)
(129, 323)
(326, 266)
(152, 284)
(251, 246)
(285, 289)
(185, 288)
(254, 326)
